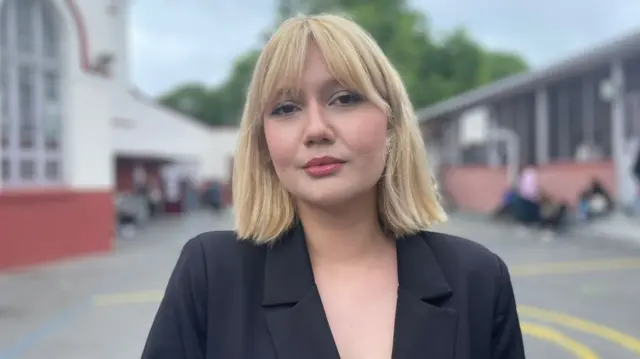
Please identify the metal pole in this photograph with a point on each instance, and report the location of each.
(614, 91)
(542, 126)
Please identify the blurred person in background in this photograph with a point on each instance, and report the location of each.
(155, 196)
(525, 204)
(505, 208)
(595, 201)
(212, 196)
(333, 198)
(553, 214)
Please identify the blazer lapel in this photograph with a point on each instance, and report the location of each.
(424, 327)
(292, 304)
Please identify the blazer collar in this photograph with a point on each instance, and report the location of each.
(298, 324)
(289, 276)
(288, 272)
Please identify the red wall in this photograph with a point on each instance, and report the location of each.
(480, 189)
(39, 226)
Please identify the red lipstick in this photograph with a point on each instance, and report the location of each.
(323, 166)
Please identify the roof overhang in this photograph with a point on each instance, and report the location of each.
(586, 60)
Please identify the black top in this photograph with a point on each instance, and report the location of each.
(228, 299)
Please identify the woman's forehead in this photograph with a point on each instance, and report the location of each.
(296, 65)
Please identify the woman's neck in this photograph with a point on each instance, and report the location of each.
(346, 233)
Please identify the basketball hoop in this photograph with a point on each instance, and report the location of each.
(474, 126)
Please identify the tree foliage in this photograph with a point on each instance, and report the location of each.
(432, 67)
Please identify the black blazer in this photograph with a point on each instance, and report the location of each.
(235, 300)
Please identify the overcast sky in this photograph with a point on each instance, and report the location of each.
(174, 41)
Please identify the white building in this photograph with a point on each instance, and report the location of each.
(71, 130)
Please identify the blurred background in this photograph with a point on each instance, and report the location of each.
(118, 123)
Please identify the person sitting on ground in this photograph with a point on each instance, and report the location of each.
(552, 214)
(595, 201)
(525, 206)
(505, 209)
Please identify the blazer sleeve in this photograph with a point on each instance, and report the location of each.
(507, 342)
(179, 328)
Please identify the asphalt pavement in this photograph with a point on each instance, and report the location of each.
(578, 298)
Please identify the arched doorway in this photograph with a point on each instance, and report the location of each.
(31, 74)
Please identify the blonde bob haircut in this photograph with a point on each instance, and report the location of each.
(407, 196)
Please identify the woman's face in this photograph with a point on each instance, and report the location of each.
(327, 142)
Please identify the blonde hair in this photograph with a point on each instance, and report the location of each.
(407, 197)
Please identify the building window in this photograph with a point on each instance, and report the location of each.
(632, 116)
(30, 89)
(632, 100)
(6, 169)
(26, 106)
(449, 146)
(517, 114)
(579, 121)
(5, 127)
(25, 11)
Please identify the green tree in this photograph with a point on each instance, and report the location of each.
(190, 99)
(216, 106)
(433, 69)
(503, 64)
(232, 93)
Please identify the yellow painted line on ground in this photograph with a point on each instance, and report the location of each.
(578, 324)
(526, 270)
(574, 267)
(577, 349)
(134, 297)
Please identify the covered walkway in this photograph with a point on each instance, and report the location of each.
(576, 120)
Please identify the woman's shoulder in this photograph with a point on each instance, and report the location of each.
(223, 245)
(464, 256)
(221, 254)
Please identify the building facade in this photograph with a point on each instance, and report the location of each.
(72, 131)
(576, 121)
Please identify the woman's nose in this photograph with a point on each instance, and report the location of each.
(317, 129)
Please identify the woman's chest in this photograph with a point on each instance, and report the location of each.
(361, 316)
(363, 326)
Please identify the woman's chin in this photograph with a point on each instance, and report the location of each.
(324, 200)
(330, 197)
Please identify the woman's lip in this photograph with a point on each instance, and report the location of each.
(320, 161)
(324, 170)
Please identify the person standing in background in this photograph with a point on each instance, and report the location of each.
(155, 197)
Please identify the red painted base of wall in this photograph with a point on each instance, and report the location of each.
(41, 226)
(481, 189)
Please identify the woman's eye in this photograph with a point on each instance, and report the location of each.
(347, 99)
(284, 110)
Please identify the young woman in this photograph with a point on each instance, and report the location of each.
(332, 257)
